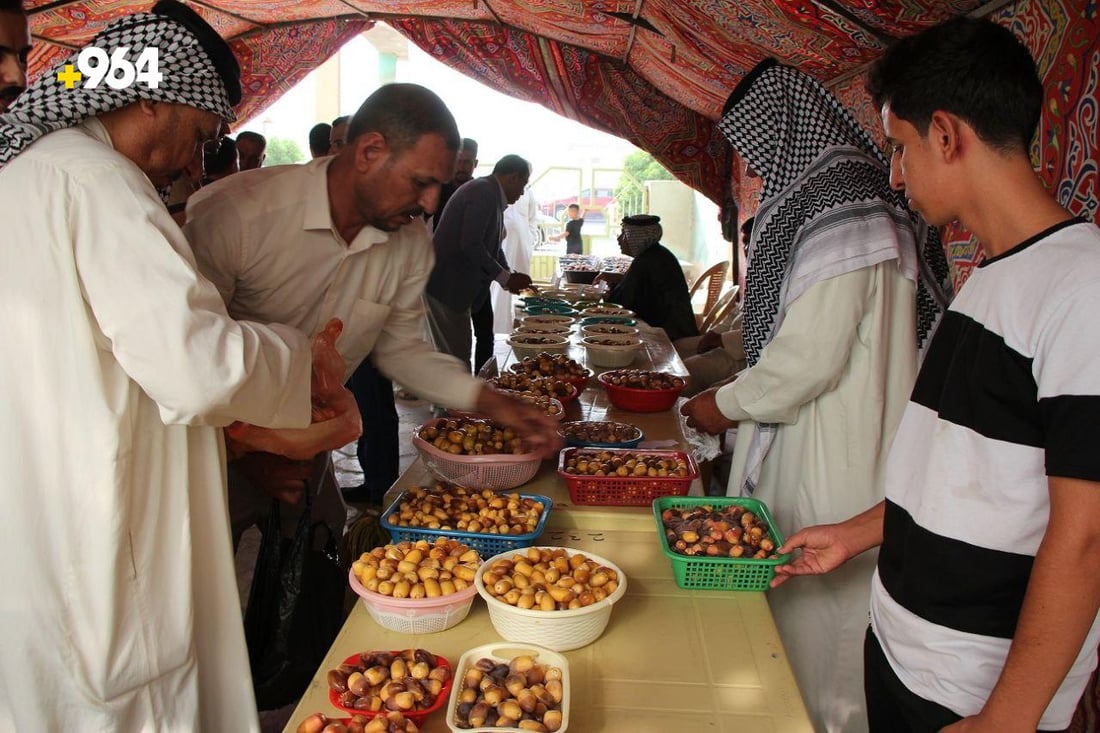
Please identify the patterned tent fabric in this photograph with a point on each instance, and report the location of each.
(576, 83)
(655, 72)
(1064, 36)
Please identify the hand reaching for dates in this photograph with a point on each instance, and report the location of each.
(336, 420)
(538, 430)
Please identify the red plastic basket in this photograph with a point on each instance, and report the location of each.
(625, 491)
(639, 400)
(416, 716)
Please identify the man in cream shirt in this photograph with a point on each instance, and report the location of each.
(344, 237)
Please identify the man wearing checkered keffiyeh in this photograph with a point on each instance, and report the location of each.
(654, 286)
(844, 288)
(120, 365)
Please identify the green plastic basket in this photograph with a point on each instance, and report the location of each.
(695, 572)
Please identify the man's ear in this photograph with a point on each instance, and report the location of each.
(149, 107)
(946, 135)
(370, 149)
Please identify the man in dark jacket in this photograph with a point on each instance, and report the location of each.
(654, 287)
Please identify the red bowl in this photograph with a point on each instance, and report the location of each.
(639, 400)
(566, 399)
(416, 716)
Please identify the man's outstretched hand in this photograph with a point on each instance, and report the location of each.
(538, 430)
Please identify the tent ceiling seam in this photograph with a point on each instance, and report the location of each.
(633, 30)
(883, 38)
(262, 28)
(492, 12)
(53, 42)
(50, 6)
(223, 11)
(357, 10)
(989, 8)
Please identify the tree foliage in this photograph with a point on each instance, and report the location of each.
(643, 167)
(638, 168)
(282, 150)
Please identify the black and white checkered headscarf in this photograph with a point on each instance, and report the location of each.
(826, 209)
(195, 72)
(640, 232)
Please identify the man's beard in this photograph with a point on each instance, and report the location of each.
(7, 97)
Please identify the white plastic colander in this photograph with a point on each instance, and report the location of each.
(556, 630)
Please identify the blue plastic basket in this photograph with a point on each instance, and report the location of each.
(486, 544)
(569, 441)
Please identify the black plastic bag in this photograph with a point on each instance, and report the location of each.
(295, 608)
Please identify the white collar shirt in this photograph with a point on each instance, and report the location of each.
(266, 239)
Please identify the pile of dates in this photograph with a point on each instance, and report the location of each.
(448, 507)
(644, 379)
(418, 569)
(609, 341)
(392, 722)
(536, 339)
(543, 579)
(597, 431)
(519, 693)
(544, 403)
(713, 531)
(626, 464)
(471, 437)
(404, 681)
(558, 366)
(549, 386)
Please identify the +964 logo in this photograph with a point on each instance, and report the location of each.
(118, 70)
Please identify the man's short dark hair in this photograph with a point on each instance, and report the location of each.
(402, 114)
(974, 69)
(254, 137)
(218, 156)
(13, 6)
(319, 138)
(574, 206)
(469, 144)
(511, 164)
(341, 120)
(746, 227)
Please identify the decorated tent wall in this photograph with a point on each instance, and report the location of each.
(1064, 36)
(573, 82)
(655, 72)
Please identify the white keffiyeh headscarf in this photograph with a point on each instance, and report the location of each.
(826, 209)
(198, 70)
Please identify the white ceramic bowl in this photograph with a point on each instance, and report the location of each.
(544, 329)
(609, 329)
(605, 310)
(547, 319)
(556, 630)
(533, 344)
(619, 353)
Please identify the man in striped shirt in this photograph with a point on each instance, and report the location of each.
(984, 604)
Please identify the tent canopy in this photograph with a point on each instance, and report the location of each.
(655, 72)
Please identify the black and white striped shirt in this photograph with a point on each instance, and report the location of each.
(1008, 394)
